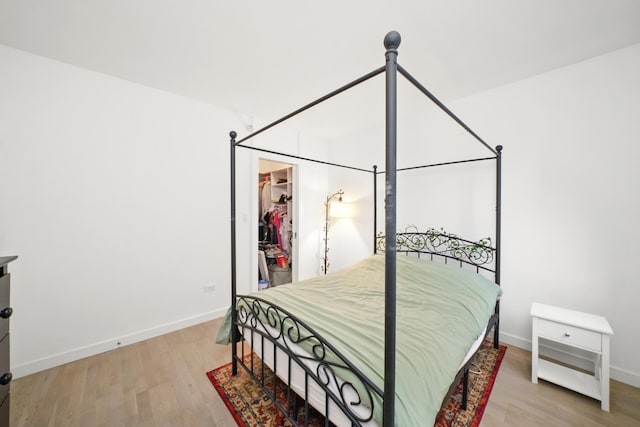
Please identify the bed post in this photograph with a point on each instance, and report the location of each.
(375, 208)
(391, 43)
(498, 208)
(234, 350)
(496, 329)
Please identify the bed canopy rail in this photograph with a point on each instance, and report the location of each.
(293, 156)
(455, 162)
(391, 69)
(314, 103)
(443, 107)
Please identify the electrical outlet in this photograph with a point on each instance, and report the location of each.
(209, 288)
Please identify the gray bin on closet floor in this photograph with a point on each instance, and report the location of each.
(279, 275)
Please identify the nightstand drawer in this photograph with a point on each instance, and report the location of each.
(570, 335)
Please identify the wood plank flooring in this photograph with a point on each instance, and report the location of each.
(162, 382)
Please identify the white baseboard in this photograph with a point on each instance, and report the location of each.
(573, 359)
(38, 365)
(110, 344)
(515, 341)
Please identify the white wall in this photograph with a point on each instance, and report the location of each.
(115, 198)
(570, 208)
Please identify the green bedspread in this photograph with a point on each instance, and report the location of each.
(441, 311)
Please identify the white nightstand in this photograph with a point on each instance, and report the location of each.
(575, 329)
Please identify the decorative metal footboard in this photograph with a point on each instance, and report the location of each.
(449, 246)
(343, 385)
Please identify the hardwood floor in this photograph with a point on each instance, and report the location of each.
(162, 382)
(158, 382)
(516, 401)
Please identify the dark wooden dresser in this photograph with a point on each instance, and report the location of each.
(5, 313)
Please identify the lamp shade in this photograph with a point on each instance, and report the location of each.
(340, 210)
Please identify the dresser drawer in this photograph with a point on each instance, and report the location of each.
(4, 411)
(5, 368)
(4, 304)
(570, 335)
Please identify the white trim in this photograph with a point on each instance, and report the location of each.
(625, 376)
(48, 362)
(618, 374)
(515, 341)
(111, 344)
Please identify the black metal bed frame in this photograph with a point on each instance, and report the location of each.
(254, 313)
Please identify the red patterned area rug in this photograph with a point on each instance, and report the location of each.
(250, 407)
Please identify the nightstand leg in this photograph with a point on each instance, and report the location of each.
(534, 350)
(604, 377)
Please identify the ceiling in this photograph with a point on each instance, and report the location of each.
(265, 58)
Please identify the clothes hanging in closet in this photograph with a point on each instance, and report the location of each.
(265, 196)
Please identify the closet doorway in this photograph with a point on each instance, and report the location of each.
(277, 227)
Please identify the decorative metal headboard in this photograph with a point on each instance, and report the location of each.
(446, 245)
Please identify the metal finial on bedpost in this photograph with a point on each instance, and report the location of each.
(391, 42)
(234, 351)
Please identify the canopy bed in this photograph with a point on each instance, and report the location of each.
(380, 343)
